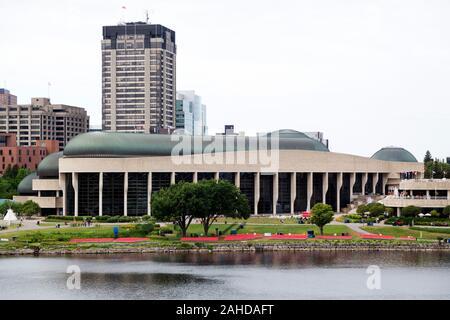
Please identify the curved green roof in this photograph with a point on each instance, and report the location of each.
(25, 186)
(103, 144)
(394, 154)
(49, 166)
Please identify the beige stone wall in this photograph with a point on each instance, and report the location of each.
(425, 185)
(46, 185)
(391, 201)
(289, 161)
(43, 202)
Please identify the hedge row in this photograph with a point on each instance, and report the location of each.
(105, 218)
(426, 221)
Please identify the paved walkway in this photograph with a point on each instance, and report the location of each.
(354, 226)
(28, 225)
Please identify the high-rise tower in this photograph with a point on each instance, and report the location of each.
(138, 78)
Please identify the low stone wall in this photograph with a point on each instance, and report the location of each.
(211, 248)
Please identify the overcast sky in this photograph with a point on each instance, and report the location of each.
(367, 73)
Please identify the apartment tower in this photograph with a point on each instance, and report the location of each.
(138, 78)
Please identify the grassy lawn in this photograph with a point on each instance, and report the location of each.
(259, 220)
(433, 230)
(406, 231)
(65, 234)
(292, 228)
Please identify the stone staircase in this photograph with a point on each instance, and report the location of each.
(359, 200)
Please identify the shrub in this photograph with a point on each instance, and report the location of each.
(435, 214)
(102, 218)
(165, 230)
(390, 211)
(361, 209)
(148, 219)
(410, 211)
(64, 218)
(30, 208)
(113, 219)
(353, 217)
(142, 229)
(124, 219)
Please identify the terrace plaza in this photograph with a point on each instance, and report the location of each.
(283, 172)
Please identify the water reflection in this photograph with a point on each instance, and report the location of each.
(252, 275)
(288, 259)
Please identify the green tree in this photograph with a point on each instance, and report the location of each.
(177, 203)
(362, 209)
(321, 214)
(220, 198)
(10, 181)
(437, 169)
(446, 211)
(15, 206)
(30, 208)
(410, 211)
(427, 157)
(376, 209)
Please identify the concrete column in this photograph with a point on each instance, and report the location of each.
(125, 194)
(309, 190)
(398, 212)
(100, 194)
(39, 193)
(448, 194)
(172, 178)
(338, 191)
(324, 187)
(257, 192)
(216, 176)
(149, 194)
(364, 182)
(375, 182)
(352, 184)
(195, 177)
(62, 185)
(293, 190)
(75, 188)
(275, 193)
(237, 179)
(385, 179)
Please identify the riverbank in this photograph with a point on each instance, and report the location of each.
(231, 247)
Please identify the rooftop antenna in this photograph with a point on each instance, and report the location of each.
(123, 16)
(146, 16)
(48, 89)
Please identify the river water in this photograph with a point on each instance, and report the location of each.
(270, 275)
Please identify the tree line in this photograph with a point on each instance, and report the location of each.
(10, 181)
(435, 168)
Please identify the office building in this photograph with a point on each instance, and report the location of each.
(23, 156)
(190, 114)
(138, 78)
(6, 98)
(101, 173)
(42, 120)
